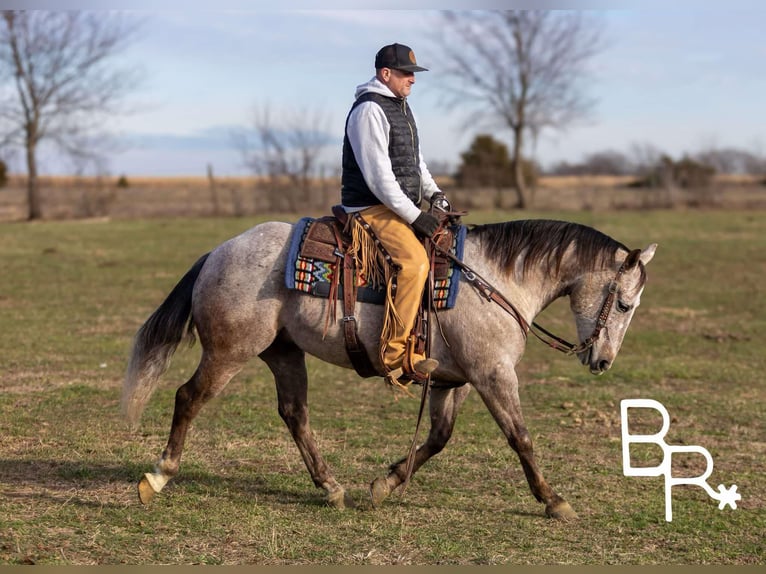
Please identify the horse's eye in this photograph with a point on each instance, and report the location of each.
(622, 307)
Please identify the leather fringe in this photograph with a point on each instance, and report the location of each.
(373, 266)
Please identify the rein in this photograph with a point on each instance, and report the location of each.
(410, 466)
(490, 293)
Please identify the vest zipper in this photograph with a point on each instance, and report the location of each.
(414, 150)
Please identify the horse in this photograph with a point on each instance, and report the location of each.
(235, 299)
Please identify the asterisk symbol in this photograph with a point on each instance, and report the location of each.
(728, 496)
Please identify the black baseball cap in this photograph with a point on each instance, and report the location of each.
(398, 57)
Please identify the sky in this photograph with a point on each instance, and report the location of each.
(677, 75)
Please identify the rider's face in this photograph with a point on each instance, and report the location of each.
(398, 81)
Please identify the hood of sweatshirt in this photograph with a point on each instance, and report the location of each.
(374, 85)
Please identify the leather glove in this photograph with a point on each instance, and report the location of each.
(439, 201)
(425, 225)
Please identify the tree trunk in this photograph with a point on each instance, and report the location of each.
(33, 191)
(213, 190)
(518, 170)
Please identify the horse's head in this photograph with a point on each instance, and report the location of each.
(604, 303)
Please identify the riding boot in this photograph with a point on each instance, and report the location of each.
(420, 372)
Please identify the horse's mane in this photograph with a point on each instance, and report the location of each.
(545, 242)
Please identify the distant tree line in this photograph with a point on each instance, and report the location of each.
(611, 162)
(488, 164)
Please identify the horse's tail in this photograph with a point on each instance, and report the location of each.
(156, 341)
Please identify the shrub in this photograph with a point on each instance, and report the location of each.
(487, 163)
(688, 173)
(3, 173)
(122, 182)
(685, 173)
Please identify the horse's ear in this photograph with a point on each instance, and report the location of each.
(648, 253)
(632, 259)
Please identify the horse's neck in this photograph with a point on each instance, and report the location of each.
(530, 293)
(542, 288)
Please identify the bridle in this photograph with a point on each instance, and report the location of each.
(490, 293)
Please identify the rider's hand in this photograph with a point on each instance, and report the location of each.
(425, 225)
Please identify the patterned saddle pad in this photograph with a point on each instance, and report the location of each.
(313, 275)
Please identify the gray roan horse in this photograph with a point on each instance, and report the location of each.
(236, 300)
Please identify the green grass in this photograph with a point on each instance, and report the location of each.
(73, 294)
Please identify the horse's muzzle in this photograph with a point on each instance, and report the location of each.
(597, 366)
(601, 367)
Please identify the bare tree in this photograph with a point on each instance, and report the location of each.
(524, 69)
(645, 157)
(756, 165)
(606, 162)
(58, 84)
(731, 160)
(286, 150)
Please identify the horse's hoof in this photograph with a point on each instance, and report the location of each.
(145, 491)
(340, 500)
(560, 510)
(379, 491)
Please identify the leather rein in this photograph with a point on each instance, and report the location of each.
(491, 294)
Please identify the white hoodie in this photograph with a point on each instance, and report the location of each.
(367, 132)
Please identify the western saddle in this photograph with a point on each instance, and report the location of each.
(329, 239)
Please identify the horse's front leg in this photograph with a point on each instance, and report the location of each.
(444, 405)
(500, 392)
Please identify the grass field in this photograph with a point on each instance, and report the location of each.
(72, 294)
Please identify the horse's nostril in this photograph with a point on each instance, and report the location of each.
(603, 365)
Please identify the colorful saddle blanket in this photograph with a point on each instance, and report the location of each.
(314, 275)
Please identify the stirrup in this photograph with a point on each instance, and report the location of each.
(426, 366)
(420, 374)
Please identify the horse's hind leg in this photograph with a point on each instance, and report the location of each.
(208, 380)
(288, 363)
(444, 405)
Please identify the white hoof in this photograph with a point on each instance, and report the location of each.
(379, 491)
(150, 485)
(145, 491)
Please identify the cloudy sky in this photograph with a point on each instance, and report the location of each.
(681, 76)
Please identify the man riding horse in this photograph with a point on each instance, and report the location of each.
(237, 301)
(385, 179)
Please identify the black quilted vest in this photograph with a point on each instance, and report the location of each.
(403, 149)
